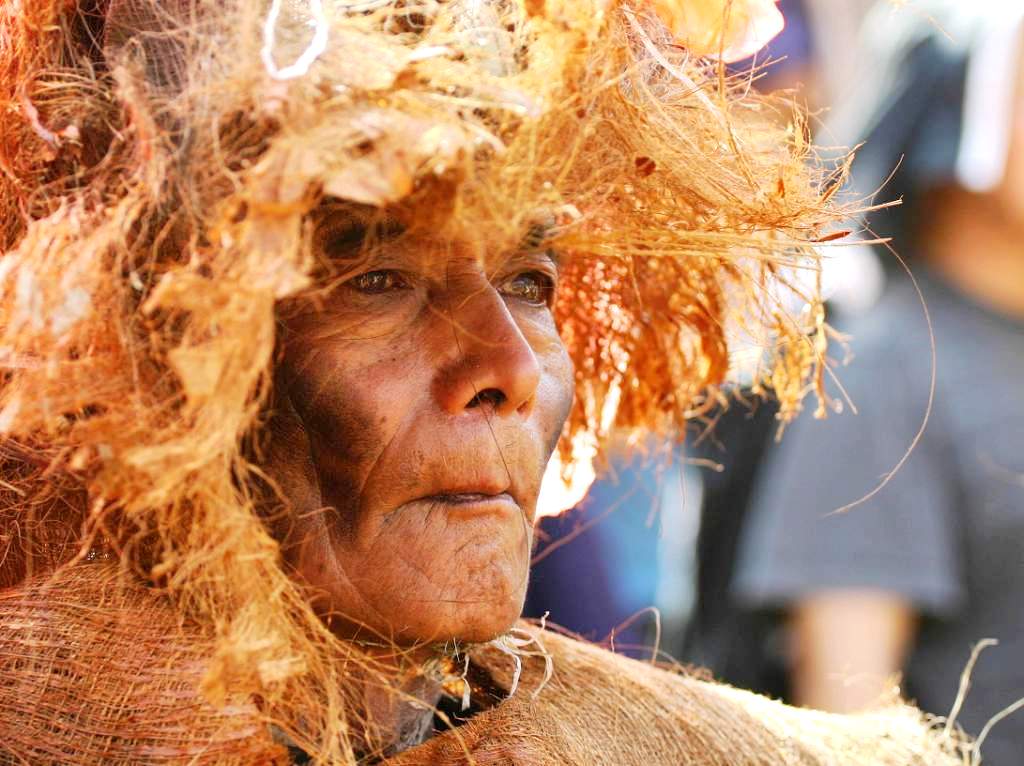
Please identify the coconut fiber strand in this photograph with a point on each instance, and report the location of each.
(161, 165)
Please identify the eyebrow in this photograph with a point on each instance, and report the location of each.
(370, 219)
(354, 224)
(538, 233)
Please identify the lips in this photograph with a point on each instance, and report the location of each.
(469, 498)
(480, 493)
(470, 469)
(478, 483)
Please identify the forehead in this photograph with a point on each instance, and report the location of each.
(344, 232)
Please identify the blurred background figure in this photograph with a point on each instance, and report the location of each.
(816, 59)
(910, 579)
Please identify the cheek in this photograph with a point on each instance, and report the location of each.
(558, 389)
(350, 401)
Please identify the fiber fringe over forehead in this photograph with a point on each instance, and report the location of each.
(159, 162)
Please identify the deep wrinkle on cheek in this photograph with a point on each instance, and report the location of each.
(381, 462)
(342, 431)
(340, 579)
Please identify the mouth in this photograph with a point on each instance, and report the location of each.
(469, 498)
(472, 503)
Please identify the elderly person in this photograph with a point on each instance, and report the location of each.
(297, 302)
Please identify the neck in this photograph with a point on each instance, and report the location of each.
(977, 248)
(395, 698)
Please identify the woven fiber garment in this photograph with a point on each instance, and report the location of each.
(602, 709)
(92, 673)
(111, 677)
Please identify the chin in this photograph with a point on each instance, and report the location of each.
(481, 592)
(466, 623)
(484, 626)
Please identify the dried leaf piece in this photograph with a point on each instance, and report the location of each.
(402, 148)
(730, 29)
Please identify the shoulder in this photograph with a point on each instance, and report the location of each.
(601, 708)
(97, 670)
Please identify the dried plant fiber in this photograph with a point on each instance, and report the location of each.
(161, 164)
(603, 709)
(597, 709)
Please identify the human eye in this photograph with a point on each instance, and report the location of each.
(378, 282)
(534, 288)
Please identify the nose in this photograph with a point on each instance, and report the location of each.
(493, 365)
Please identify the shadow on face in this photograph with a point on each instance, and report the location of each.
(418, 401)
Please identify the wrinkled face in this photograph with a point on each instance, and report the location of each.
(418, 404)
